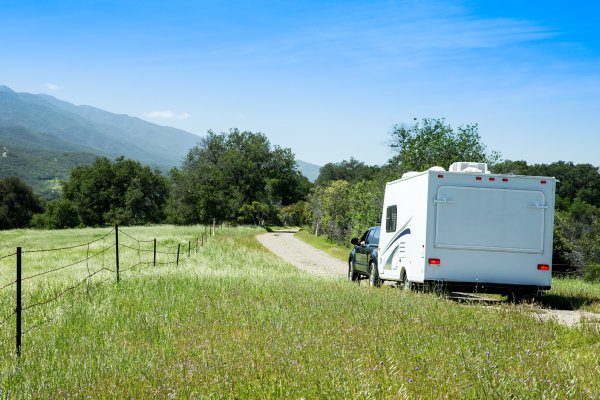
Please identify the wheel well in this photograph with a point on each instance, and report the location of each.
(402, 274)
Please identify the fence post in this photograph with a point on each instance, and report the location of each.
(117, 250)
(178, 248)
(214, 227)
(19, 307)
(189, 247)
(196, 244)
(154, 252)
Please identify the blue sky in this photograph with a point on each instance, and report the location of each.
(327, 78)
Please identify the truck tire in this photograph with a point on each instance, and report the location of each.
(374, 280)
(352, 274)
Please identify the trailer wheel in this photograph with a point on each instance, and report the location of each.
(374, 280)
(406, 283)
(352, 274)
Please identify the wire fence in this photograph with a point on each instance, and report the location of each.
(146, 252)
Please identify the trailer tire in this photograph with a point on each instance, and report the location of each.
(352, 274)
(406, 284)
(374, 280)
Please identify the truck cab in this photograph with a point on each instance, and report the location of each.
(363, 255)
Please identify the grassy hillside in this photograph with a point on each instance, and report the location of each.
(234, 321)
(41, 160)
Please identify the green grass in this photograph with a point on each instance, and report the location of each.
(236, 322)
(323, 243)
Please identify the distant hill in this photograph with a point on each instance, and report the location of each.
(41, 160)
(42, 138)
(105, 132)
(311, 171)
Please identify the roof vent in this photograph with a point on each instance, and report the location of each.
(410, 174)
(469, 168)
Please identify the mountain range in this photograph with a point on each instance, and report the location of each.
(42, 138)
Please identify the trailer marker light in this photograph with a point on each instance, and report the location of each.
(543, 267)
(434, 261)
(440, 176)
(504, 179)
(492, 179)
(478, 178)
(543, 182)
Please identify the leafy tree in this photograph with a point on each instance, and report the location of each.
(225, 173)
(350, 171)
(123, 192)
(575, 181)
(18, 203)
(294, 214)
(432, 142)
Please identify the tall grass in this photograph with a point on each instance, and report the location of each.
(236, 322)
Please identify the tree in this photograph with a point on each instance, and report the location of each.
(18, 204)
(123, 192)
(227, 172)
(432, 142)
(350, 171)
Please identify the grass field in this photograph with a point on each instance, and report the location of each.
(235, 322)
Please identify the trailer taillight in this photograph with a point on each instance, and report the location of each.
(440, 176)
(492, 179)
(434, 261)
(543, 267)
(504, 179)
(543, 182)
(477, 178)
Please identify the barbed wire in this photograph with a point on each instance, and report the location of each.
(5, 319)
(135, 249)
(8, 255)
(69, 265)
(133, 238)
(8, 284)
(56, 297)
(69, 247)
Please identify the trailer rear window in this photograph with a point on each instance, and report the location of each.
(391, 215)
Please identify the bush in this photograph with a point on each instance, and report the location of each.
(59, 214)
(591, 272)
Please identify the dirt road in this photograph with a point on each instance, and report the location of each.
(291, 249)
(305, 257)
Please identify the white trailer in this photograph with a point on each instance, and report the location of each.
(468, 229)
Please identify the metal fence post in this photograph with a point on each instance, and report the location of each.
(178, 248)
(196, 244)
(154, 252)
(19, 307)
(117, 250)
(189, 247)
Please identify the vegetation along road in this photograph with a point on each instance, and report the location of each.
(288, 247)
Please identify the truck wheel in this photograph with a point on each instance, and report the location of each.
(374, 280)
(352, 274)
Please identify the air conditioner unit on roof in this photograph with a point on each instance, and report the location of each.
(469, 167)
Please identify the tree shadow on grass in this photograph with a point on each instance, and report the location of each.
(566, 302)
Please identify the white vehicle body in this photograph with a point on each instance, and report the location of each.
(468, 229)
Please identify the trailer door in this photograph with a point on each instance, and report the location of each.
(490, 219)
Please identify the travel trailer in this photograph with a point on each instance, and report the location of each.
(468, 230)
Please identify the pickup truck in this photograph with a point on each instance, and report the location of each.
(362, 261)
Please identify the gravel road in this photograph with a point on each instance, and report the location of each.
(305, 257)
